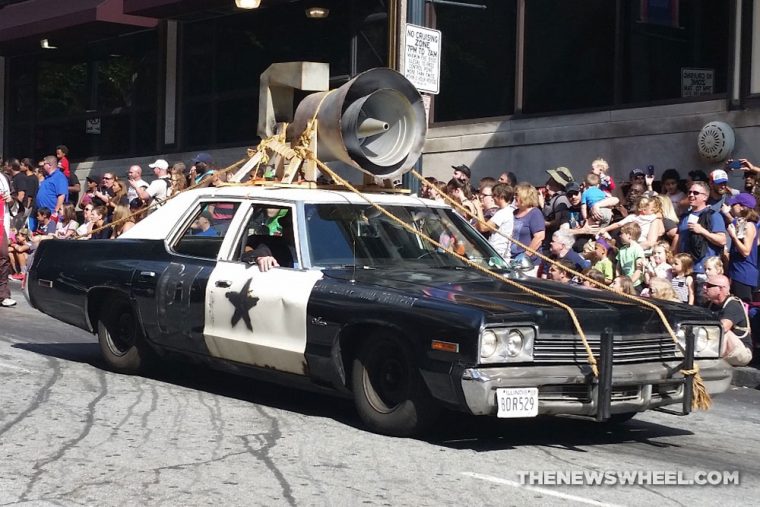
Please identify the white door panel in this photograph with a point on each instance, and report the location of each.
(273, 304)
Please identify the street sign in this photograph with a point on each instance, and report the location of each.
(422, 64)
(696, 82)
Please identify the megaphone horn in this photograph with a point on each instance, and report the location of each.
(376, 123)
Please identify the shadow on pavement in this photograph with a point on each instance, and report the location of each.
(453, 430)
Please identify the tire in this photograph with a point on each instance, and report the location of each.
(389, 393)
(121, 341)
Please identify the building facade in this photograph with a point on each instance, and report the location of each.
(525, 85)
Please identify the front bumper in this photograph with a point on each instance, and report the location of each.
(570, 389)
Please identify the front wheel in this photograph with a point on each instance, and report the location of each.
(120, 338)
(389, 392)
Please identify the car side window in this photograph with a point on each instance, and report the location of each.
(272, 227)
(204, 234)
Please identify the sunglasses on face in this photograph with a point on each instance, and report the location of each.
(692, 192)
(711, 285)
(107, 177)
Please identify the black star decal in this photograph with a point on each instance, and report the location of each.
(243, 302)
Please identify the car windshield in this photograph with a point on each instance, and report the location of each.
(359, 235)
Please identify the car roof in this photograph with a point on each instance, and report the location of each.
(159, 223)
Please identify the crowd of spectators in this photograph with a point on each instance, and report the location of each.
(687, 240)
(45, 200)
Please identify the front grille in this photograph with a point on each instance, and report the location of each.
(582, 393)
(627, 349)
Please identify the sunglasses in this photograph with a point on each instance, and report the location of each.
(107, 177)
(711, 285)
(692, 192)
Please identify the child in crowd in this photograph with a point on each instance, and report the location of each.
(604, 264)
(658, 266)
(660, 288)
(713, 266)
(670, 179)
(18, 252)
(600, 167)
(647, 216)
(623, 284)
(67, 224)
(683, 277)
(630, 257)
(591, 196)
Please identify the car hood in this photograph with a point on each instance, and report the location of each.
(500, 301)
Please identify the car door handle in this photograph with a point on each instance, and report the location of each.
(223, 283)
(146, 275)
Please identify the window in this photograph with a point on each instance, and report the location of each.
(205, 233)
(477, 60)
(223, 57)
(98, 99)
(270, 231)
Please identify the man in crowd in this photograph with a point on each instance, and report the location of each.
(719, 189)
(702, 232)
(202, 169)
(737, 340)
(54, 189)
(134, 174)
(485, 195)
(104, 194)
(462, 173)
(160, 188)
(503, 221)
(555, 200)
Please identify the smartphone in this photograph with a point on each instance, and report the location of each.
(734, 165)
(650, 170)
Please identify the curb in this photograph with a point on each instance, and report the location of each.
(746, 376)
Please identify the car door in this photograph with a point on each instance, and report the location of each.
(179, 290)
(259, 318)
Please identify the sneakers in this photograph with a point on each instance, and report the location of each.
(8, 302)
(18, 276)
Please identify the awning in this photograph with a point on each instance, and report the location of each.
(173, 8)
(24, 24)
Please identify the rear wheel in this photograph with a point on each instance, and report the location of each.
(389, 392)
(120, 338)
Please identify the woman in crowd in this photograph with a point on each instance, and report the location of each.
(624, 284)
(119, 196)
(461, 193)
(742, 257)
(67, 224)
(122, 221)
(661, 288)
(529, 225)
(669, 221)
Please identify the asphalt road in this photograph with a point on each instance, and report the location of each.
(72, 433)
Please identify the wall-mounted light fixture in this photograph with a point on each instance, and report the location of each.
(317, 12)
(247, 4)
(45, 44)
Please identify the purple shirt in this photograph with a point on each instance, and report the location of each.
(525, 228)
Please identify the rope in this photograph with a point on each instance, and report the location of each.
(570, 311)
(701, 396)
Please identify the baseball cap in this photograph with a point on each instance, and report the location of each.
(719, 176)
(635, 172)
(572, 187)
(744, 199)
(462, 169)
(160, 164)
(203, 157)
(561, 175)
(93, 178)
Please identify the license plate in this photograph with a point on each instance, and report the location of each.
(517, 402)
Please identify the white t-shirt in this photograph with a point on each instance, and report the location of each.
(158, 188)
(132, 192)
(62, 230)
(504, 219)
(6, 224)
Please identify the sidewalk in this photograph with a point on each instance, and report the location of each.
(747, 376)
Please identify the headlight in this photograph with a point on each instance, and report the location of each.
(507, 344)
(488, 342)
(707, 340)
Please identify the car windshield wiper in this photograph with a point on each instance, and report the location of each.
(353, 266)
